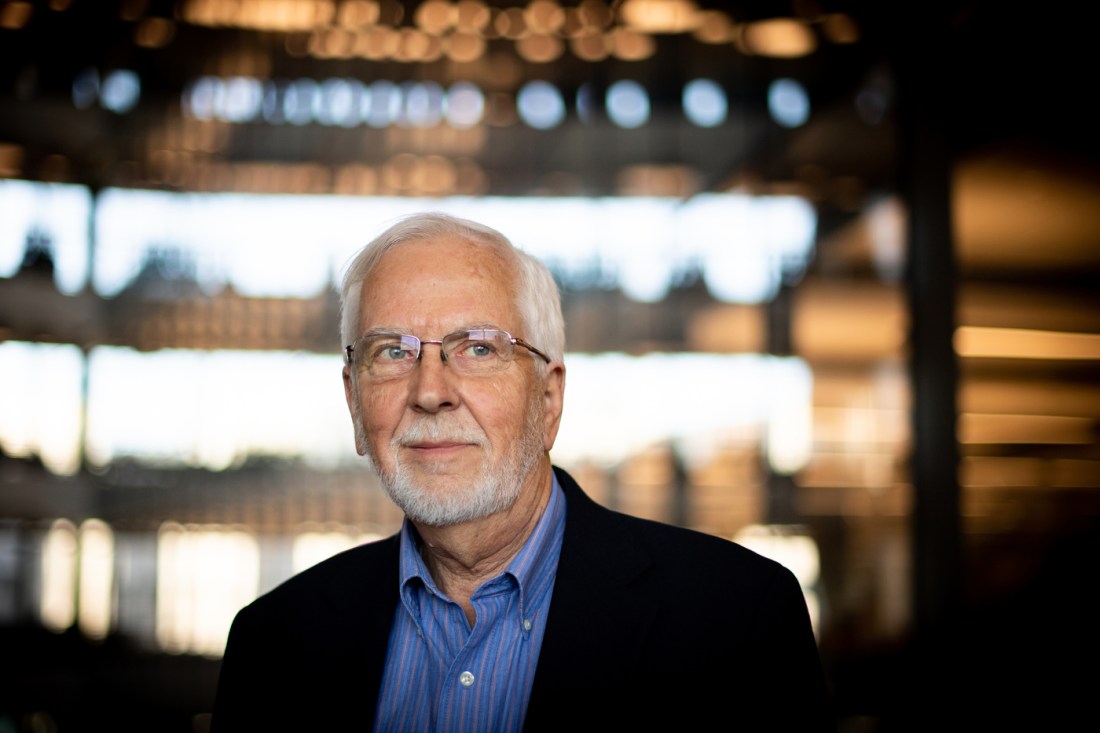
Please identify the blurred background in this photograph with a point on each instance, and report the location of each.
(829, 276)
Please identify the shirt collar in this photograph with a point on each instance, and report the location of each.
(537, 557)
(535, 564)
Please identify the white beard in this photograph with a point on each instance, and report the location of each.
(494, 489)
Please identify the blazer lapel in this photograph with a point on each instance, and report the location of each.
(596, 623)
(362, 601)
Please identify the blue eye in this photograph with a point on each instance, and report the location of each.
(395, 353)
(390, 350)
(479, 350)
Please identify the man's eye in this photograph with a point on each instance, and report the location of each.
(392, 352)
(478, 350)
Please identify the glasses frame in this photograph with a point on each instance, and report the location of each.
(349, 350)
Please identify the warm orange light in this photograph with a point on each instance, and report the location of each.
(595, 14)
(154, 32)
(11, 160)
(472, 16)
(1021, 343)
(15, 15)
(358, 13)
(840, 28)
(544, 16)
(631, 46)
(464, 47)
(511, 23)
(267, 15)
(435, 16)
(681, 181)
(591, 47)
(779, 38)
(994, 472)
(417, 46)
(980, 428)
(714, 27)
(332, 42)
(539, 48)
(660, 16)
(377, 43)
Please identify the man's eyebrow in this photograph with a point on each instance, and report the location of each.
(383, 331)
(393, 330)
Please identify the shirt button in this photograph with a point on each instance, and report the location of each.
(526, 624)
(466, 678)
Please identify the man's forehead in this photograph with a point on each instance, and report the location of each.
(417, 264)
(444, 245)
(439, 283)
(404, 328)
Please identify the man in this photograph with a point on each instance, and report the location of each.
(509, 600)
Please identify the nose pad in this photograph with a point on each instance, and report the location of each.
(442, 352)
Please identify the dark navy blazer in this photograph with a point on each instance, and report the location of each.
(650, 627)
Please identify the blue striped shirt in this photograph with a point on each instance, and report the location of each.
(440, 674)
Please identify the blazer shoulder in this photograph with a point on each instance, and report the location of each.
(336, 580)
(672, 622)
(308, 654)
(604, 535)
(700, 557)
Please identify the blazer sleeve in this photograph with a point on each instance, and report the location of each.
(310, 654)
(786, 676)
(248, 681)
(280, 675)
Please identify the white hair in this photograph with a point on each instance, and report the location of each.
(538, 298)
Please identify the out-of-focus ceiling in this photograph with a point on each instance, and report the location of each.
(1010, 74)
(1008, 81)
(48, 46)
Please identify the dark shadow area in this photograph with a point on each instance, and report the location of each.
(63, 682)
(1023, 660)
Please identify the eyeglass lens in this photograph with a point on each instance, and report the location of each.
(476, 351)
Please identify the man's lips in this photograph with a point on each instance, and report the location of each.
(443, 446)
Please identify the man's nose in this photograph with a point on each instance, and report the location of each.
(432, 388)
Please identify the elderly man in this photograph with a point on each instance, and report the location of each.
(509, 600)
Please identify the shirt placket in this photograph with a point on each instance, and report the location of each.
(464, 699)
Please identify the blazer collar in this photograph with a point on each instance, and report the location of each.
(597, 621)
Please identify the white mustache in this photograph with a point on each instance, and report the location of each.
(436, 431)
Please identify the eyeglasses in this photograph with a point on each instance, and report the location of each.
(477, 351)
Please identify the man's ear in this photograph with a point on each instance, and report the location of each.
(352, 396)
(553, 398)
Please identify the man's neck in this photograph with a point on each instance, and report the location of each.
(463, 556)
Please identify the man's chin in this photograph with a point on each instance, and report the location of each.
(445, 500)
(432, 511)
(436, 479)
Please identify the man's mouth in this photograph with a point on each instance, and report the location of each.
(438, 445)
